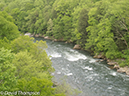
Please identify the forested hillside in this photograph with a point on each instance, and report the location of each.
(25, 69)
(98, 25)
(101, 26)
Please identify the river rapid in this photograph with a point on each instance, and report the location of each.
(84, 73)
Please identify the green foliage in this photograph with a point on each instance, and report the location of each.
(7, 70)
(27, 66)
(7, 28)
(58, 29)
(42, 87)
(98, 25)
(5, 43)
(65, 88)
(49, 28)
(26, 44)
(82, 25)
(37, 50)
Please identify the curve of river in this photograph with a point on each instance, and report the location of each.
(92, 78)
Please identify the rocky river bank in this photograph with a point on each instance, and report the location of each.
(100, 56)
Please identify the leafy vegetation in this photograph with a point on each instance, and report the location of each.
(24, 64)
(101, 26)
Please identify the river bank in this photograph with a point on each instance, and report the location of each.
(113, 63)
(81, 71)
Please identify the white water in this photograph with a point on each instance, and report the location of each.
(83, 72)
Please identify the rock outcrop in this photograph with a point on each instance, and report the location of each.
(28, 34)
(58, 40)
(77, 47)
(112, 63)
(47, 37)
(36, 35)
(124, 70)
(116, 67)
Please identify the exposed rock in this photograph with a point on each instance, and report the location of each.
(123, 70)
(77, 47)
(58, 40)
(32, 35)
(28, 34)
(116, 67)
(127, 72)
(104, 58)
(112, 63)
(55, 40)
(37, 35)
(101, 60)
(68, 41)
(47, 37)
(97, 61)
(111, 67)
(108, 60)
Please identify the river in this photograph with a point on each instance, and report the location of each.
(83, 72)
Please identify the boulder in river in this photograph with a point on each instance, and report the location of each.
(28, 34)
(55, 40)
(58, 40)
(127, 72)
(37, 35)
(123, 70)
(112, 63)
(47, 37)
(116, 66)
(77, 47)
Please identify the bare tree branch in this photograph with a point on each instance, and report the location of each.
(124, 25)
(123, 38)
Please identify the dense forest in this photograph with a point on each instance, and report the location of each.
(96, 25)
(101, 26)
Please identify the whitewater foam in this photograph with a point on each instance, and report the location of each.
(88, 68)
(55, 55)
(69, 74)
(74, 56)
(58, 72)
(92, 61)
(113, 73)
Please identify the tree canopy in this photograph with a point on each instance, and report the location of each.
(101, 26)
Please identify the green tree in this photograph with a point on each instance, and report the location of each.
(8, 29)
(82, 25)
(7, 71)
(5, 43)
(49, 28)
(37, 50)
(28, 67)
(42, 86)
